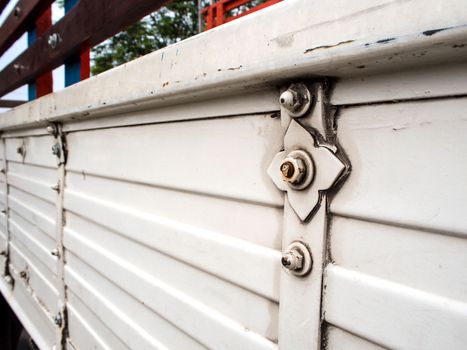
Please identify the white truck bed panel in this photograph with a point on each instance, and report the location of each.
(171, 219)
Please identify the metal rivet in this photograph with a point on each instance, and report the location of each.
(296, 100)
(297, 259)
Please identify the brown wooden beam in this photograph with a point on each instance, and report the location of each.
(10, 103)
(20, 19)
(89, 23)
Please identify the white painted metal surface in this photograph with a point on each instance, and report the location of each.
(167, 231)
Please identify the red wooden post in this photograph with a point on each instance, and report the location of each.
(44, 83)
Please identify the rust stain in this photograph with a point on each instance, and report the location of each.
(327, 46)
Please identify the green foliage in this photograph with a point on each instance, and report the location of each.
(175, 22)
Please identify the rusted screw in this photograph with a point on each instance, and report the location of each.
(287, 169)
(293, 170)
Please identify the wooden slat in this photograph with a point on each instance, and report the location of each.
(23, 15)
(86, 25)
(11, 103)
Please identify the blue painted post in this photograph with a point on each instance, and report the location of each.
(32, 94)
(77, 66)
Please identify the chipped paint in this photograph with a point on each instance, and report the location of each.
(327, 46)
(384, 41)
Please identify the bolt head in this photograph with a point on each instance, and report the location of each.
(58, 320)
(9, 280)
(293, 170)
(51, 129)
(296, 100)
(288, 99)
(292, 260)
(56, 150)
(53, 40)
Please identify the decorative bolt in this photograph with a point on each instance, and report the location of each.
(296, 100)
(53, 40)
(293, 170)
(56, 150)
(58, 320)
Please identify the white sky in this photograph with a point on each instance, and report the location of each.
(18, 47)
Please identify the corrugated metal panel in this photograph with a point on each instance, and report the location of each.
(173, 230)
(338, 339)
(398, 233)
(168, 194)
(31, 173)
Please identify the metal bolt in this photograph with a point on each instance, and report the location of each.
(293, 170)
(56, 150)
(21, 150)
(297, 259)
(53, 40)
(17, 11)
(18, 67)
(52, 129)
(58, 320)
(9, 280)
(292, 260)
(296, 100)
